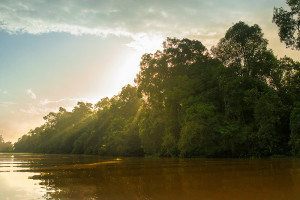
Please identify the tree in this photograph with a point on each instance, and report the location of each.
(288, 23)
(295, 130)
(199, 135)
(5, 146)
(267, 117)
(239, 101)
(244, 49)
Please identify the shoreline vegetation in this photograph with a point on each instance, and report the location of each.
(5, 147)
(237, 100)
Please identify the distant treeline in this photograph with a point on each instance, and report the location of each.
(5, 146)
(237, 100)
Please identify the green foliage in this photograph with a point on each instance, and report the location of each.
(238, 101)
(295, 130)
(267, 118)
(5, 146)
(288, 23)
(244, 50)
(200, 133)
(150, 131)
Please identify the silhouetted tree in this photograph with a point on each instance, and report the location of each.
(288, 23)
(5, 146)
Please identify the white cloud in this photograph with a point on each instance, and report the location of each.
(63, 101)
(131, 18)
(147, 42)
(31, 93)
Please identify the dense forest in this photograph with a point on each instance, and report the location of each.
(236, 100)
(5, 146)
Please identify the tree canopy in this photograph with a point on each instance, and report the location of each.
(238, 100)
(5, 146)
(288, 23)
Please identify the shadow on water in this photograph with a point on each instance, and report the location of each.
(93, 177)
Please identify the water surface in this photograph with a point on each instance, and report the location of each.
(37, 176)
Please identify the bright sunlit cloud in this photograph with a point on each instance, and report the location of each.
(147, 43)
(143, 21)
(64, 100)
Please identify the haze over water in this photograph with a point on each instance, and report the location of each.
(37, 176)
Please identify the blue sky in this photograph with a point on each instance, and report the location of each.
(55, 53)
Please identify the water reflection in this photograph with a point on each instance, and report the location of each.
(93, 177)
(16, 185)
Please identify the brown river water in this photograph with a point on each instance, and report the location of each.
(38, 176)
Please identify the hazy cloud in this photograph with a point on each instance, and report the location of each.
(35, 110)
(65, 102)
(198, 19)
(6, 104)
(31, 93)
(45, 106)
(3, 91)
(98, 17)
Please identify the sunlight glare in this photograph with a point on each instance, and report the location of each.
(147, 43)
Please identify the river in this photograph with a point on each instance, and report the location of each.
(39, 176)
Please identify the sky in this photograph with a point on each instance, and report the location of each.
(57, 52)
